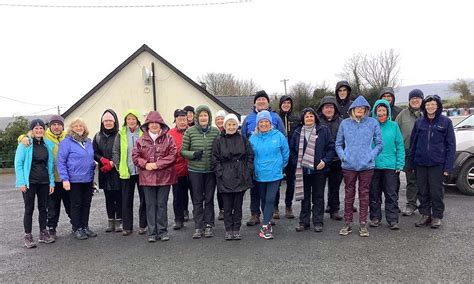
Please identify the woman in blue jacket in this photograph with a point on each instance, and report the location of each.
(354, 141)
(271, 155)
(76, 168)
(311, 152)
(34, 177)
(432, 154)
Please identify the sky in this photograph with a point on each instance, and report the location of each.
(52, 57)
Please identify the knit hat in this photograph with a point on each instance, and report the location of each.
(264, 114)
(179, 112)
(189, 108)
(56, 119)
(108, 116)
(36, 122)
(231, 116)
(221, 113)
(416, 93)
(261, 94)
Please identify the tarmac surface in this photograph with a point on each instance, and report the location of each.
(408, 255)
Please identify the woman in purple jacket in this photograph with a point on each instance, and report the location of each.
(76, 168)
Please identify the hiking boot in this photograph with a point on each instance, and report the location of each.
(425, 220)
(118, 225)
(126, 232)
(265, 232)
(186, 216)
(152, 239)
(237, 236)
(346, 230)
(110, 226)
(363, 231)
(208, 233)
(301, 227)
(197, 234)
(374, 223)
(276, 214)
(289, 213)
(336, 216)
(254, 220)
(89, 232)
(45, 238)
(221, 215)
(165, 237)
(394, 226)
(79, 234)
(409, 210)
(141, 231)
(318, 228)
(52, 233)
(178, 225)
(29, 243)
(229, 236)
(435, 223)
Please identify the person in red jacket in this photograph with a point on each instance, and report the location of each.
(180, 189)
(155, 156)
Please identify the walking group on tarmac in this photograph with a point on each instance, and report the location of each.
(342, 140)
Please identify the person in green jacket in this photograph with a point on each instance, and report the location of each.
(197, 148)
(388, 165)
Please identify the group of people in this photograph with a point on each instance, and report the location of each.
(342, 139)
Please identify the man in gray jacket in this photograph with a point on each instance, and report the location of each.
(406, 121)
(388, 94)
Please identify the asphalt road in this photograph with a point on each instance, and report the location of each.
(409, 255)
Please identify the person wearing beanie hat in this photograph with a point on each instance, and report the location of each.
(432, 156)
(109, 180)
(271, 155)
(249, 126)
(56, 119)
(343, 98)
(388, 94)
(232, 162)
(406, 121)
(219, 121)
(190, 112)
(34, 168)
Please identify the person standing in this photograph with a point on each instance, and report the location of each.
(271, 154)
(290, 122)
(232, 162)
(76, 167)
(354, 141)
(311, 152)
(432, 154)
(219, 121)
(109, 180)
(34, 168)
(190, 115)
(261, 102)
(155, 155)
(406, 121)
(181, 187)
(122, 158)
(197, 149)
(388, 165)
(343, 98)
(388, 94)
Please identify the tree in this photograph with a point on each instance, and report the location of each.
(225, 84)
(464, 87)
(302, 94)
(9, 142)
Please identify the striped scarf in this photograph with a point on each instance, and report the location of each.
(305, 159)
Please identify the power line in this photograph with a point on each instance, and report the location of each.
(123, 6)
(26, 103)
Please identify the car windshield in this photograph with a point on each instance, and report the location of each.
(468, 122)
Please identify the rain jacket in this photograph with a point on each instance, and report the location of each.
(343, 105)
(24, 158)
(76, 161)
(250, 123)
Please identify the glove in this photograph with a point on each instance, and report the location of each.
(197, 155)
(106, 168)
(104, 161)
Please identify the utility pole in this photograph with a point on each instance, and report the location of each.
(284, 83)
(59, 111)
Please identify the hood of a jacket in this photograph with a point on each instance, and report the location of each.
(286, 98)
(328, 100)
(388, 90)
(200, 109)
(116, 123)
(311, 110)
(386, 104)
(360, 101)
(349, 89)
(134, 113)
(438, 101)
(154, 116)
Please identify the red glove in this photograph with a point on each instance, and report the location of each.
(104, 161)
(106, 168)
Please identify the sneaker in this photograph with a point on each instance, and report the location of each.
(110, 226)
(237, 236)
(346, 230)
(301, 227)
(374, 223)
(363, 231)
(52, 233)
(186, 216)
(424, 220)
(394, 226)
(118, 225)
(178, 225)
(126, 232)
(318, 228)
(152, 239)
(254, 220)
(409, 210)
(89, 232)
(197, 234)
(29, 243)
(289, 213)
(165, 237)
(336, 216)
(221, 215)
(141, 231)
(265, 232)
(436, 223)
(229, 236)
(79, 234)
(276, 214)
(208, 233)
(45, 238)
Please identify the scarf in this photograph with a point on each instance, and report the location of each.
(305, 159)
(79, 138)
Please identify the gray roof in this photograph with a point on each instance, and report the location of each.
(4, 121)
(241, 104)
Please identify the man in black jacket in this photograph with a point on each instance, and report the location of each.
(388, 94)
(343, 98)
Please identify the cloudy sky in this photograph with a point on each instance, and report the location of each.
(53, 56)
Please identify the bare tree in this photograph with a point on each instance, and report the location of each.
(302, 94)
(464, 88)
(225, 84)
